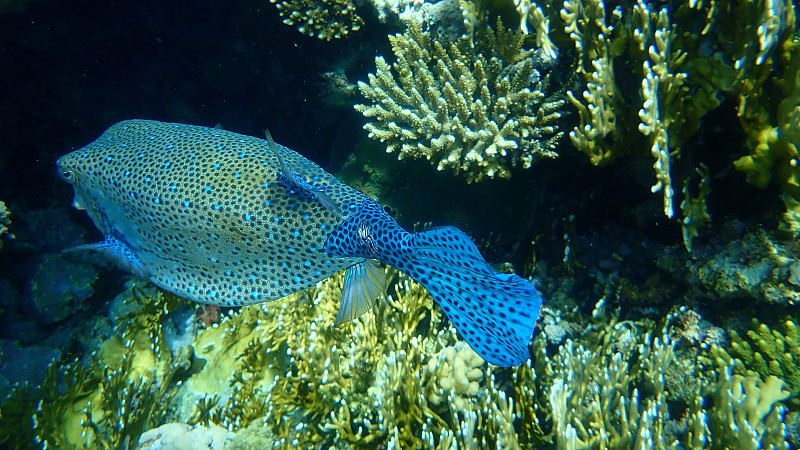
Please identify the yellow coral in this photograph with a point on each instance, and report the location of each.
(775, 142)
(325, 19)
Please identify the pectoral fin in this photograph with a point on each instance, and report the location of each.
(363, 284)
(116, 252)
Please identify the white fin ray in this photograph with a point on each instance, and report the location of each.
(363, 284)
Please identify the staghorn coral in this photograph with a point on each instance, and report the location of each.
(478, 111)
(325, 19)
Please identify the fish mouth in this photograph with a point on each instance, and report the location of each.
(77, 202)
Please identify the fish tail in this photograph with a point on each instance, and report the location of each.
(495, 313)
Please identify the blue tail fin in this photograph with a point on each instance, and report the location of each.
(495, 313)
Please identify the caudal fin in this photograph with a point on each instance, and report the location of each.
(495, 313)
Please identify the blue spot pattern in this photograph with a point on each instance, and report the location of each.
(495, 313)
(211, 216)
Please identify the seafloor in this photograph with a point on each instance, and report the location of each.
(637, 161)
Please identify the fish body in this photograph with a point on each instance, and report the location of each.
(226, 219)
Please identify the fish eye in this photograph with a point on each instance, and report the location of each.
(66, 174)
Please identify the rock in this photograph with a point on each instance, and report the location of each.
(180, 436)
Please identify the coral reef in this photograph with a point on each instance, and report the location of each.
(770, 351)
(325, 19)
(281, 375)
(773, 128)
(107, 401)
(5, 221)
(686, 71)
(475, 110)
(747, 417)
(475, 101)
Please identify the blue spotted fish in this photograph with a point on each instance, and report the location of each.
(225, 219)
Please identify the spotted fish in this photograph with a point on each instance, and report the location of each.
(226, 219)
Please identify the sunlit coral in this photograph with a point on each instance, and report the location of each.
(478, 111)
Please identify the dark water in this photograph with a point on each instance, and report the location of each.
(72, 69)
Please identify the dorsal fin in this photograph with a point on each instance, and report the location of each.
(300, 184)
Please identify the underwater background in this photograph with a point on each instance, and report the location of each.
(638, 161)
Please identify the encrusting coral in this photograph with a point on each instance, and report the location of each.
(475, 110)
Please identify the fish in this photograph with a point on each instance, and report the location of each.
(227, 219)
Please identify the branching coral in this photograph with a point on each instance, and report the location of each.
(325, 19)
(685, 70)
(774, 132)
(5, 221)
(477, 110)
(695, 212)
(746, 415)
(771, 352)
(531, 12)
(622, 387)
(398, 377)
(602, 104)
(99, 406)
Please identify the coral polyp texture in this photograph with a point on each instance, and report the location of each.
(325, 19)
(478, 111)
